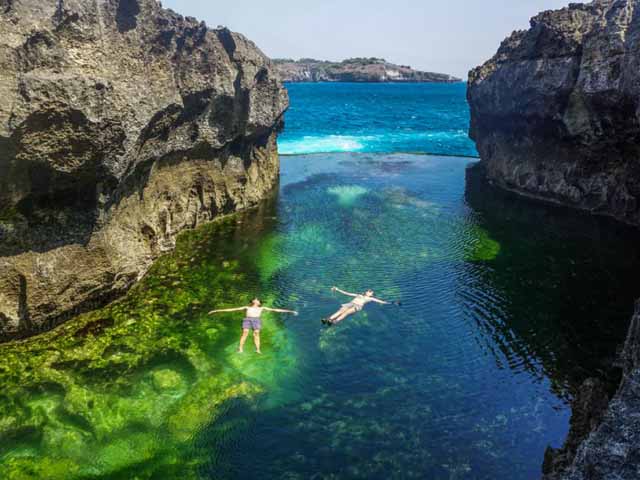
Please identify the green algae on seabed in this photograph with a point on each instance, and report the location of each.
(123, 392)
(481, 246)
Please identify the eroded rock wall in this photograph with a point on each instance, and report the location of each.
(555, 113)
(121, 124)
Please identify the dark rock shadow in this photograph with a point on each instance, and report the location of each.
(581, 267)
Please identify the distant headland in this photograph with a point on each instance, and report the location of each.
(354, 70)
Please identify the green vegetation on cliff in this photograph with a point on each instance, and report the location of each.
(358, 69)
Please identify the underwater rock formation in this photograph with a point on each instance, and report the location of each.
(122, 124)
(555, 114)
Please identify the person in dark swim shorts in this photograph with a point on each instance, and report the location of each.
(252, 321)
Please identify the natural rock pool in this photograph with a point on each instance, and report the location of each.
(507, 307)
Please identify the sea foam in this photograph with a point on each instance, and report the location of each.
(321, 144)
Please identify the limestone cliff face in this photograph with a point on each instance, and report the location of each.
(555, 115)
(121, 124)
(556, 112)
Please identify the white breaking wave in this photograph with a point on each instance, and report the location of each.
(361, 143)
(321, 144)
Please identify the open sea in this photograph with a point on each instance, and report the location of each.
(377, 117)
(506, 307)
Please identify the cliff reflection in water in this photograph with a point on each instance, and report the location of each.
(557, 299)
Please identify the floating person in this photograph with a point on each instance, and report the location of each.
(354, 306)
(252, 321)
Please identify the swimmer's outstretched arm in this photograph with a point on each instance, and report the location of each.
(381, 302)
(227, 310)
(280, 310)
(336, 289)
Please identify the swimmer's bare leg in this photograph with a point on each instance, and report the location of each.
(243, 338)
(338, 313)
(256, 340)
(345, 314)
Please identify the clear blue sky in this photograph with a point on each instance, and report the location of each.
(449, 36)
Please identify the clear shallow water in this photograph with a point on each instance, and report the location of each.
(371, 117)
(507, 306)
(505, 312)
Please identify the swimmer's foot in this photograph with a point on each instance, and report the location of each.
(240, 350)
(258, 352)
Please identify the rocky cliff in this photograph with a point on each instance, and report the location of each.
(604, 441)
(354, 70)
(555, 115)
(121, 125)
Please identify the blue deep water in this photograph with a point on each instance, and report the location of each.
(373, 117)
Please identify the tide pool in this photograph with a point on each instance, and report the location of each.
(506, 307)
(502, 318)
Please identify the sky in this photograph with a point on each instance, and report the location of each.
(447, 36)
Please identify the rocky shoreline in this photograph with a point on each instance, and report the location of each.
(555, 117)
(122, 125)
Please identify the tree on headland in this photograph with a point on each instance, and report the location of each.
(364, 60)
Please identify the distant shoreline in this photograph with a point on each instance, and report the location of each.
(373, 82)
(355, 70)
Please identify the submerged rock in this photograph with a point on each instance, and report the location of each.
(121, 125)
(555, 114)
(587, 408)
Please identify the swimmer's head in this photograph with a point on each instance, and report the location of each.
(255, 302)
(369, 293)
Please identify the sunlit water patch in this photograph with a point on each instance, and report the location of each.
(506, 307)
